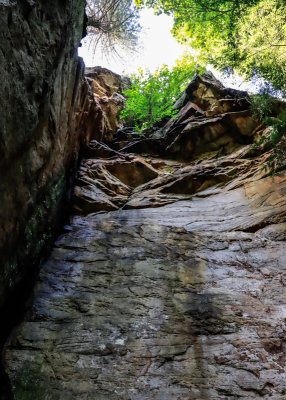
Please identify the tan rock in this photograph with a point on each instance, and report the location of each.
(106, 82)
(106, 90)
(106, 183)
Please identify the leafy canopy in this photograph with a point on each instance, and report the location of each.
(152, 96)
(248, 36)
(201, 20)
(261, 43)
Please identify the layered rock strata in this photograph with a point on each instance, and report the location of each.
(168, 283)
(211, 118)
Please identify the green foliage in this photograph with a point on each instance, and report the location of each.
(261, 43)
(262, 106)
(202, 20)
(169, 169)
(274, 138)
(152, 96)
(248, 36)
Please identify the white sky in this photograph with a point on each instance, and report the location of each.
(158, 47)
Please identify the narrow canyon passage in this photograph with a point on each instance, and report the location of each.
(137, 264)
(169, 281)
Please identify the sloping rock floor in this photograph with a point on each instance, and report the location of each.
(183, 301)
(168, 283)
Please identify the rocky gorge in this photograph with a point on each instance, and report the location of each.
(131, 266)
(168, 281)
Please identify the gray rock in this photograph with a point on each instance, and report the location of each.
(178, 291)
(184, 301)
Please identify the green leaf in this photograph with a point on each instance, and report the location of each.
(152, 96)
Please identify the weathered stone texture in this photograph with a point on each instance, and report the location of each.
(105, 93)
(183, 301)
(177, 294)
(40, 79)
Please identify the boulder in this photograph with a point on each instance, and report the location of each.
(106, 183)
(210, 95)
(106, 82)
(105, 92)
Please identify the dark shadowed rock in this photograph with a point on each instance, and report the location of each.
(123, 137)
(97, 149)
(41, 99)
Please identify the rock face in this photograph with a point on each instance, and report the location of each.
(105, 87)
(169, 281)
(211, 118)
(48, 110)
(40, 85)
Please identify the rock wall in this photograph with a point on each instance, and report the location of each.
(41, 78)
(169, 281)
(48, 113)
(106, 102)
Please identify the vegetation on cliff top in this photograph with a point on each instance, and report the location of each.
(248, 36)
(272, 113)
(152, 96)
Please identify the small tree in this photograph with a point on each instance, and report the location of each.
(113, 25)
(152, 96)
(265, 108)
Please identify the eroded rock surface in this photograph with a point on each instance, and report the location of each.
(48, 112)
(105, 95)
(41, 96)
(169, 283)
(211, 118)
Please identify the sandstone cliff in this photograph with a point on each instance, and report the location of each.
(169, 280)
(48, 112)
(40, 78)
